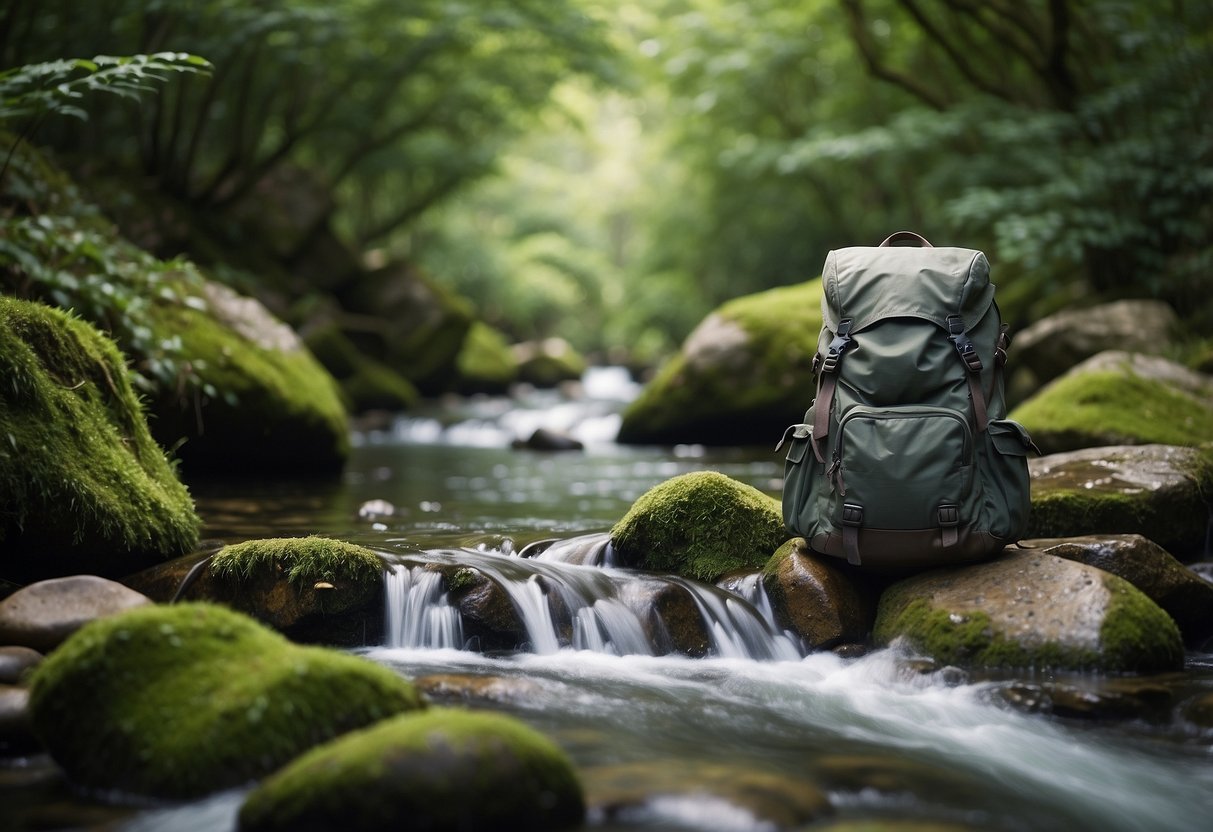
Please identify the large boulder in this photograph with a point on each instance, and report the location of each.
(266, 407)
(1120, 398)
(43, 615)
(741, 376)
(178, 701)
(1161, 492)
(485, 364)
(367, 383)
(311, 589)
(83, 486)
(1029, 609)
(812, 596)
(701, 525)
(1184, 595)
(1053, 345)
(442, 771)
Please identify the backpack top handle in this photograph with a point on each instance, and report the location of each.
(909, 236)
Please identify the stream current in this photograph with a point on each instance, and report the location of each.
(682, 743)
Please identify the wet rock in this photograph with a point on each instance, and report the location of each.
(548, 363)
(1054, 344)
(490, 621)
(1161, 492)
(1095, 699)
(1030, 609)
(887, 824)
(740, 376)
(16, 729)
(468, 688)
(85, 487)
(674, 622)
(485, 364)
(179, 701)
(890, 776)
(544, 439)
(166, 582)
(816, 599)
(639, 789)
(1199, 711)
(312, 589)
(702, 525)
(445, 770)
(16, 663)
(42, 615)
(1120, 398)
(1184, 595)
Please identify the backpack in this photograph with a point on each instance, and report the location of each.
(905, 457)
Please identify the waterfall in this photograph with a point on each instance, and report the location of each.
(565, 604)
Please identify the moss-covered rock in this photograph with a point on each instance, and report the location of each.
(438, 771)
(485, 364)
(812, 596)
(311, 589)
(367, 383)
(701, 525)
(1161, 492)
(1118, 398)
(83, 487)
(549, 362)
(1030, 609)
(274, 408)
(178, 701)
(740, 378)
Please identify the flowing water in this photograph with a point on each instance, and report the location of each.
(737, 739)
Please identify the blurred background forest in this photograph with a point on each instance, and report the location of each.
(610, 171)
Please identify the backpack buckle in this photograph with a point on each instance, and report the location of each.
(842, 341)
(960, 339)
(852, 514)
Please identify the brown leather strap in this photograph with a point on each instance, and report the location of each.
(852, 519)
(909, 236)
(821, 418)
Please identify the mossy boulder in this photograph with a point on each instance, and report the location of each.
(1029, 609)
(549, 362)
(1161, 492)
(741, 376)
(272, 410)
(443, 771)
(1184, 595)
(83, 486)
(812, 596)
(485, 364)
(366, 383)
(701, 525)
(311, 589)
(178, 701)
(1119, 398)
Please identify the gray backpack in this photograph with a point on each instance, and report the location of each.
(905, 458)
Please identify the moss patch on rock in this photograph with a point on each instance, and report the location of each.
(301, 560)
(178, 701)
(485, 364)
(366, 382)
(1119, 399)
(701, 525)
(442, 770)
(83, 487)
(742, 376)
(548, 362)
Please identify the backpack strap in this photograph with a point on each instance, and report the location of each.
(910, 236)
(972, 361)
(828, 375)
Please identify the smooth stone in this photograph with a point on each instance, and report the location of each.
(16, 662)
(16, 730)
(816, 599)
(42, 616)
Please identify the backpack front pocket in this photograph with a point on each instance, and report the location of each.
(904, 467)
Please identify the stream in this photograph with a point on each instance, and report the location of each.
(736, 740)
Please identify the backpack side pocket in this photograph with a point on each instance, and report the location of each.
(1008, 495)
(800, 469)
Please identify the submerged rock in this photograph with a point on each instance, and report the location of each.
(85, 487)
(1184, 595)
(178, 701)
(41, 616)
(1162, 492)
(1030, 609)
(701, 525)
(443, 771)
(546, 439)
(311, 589)
(1097, 698)
(1120, 398)
(814, 598)
(741, 376)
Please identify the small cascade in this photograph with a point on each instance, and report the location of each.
(584, 550)
(560, 605)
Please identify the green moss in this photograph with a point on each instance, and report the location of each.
(80, 475)
(277, 408)
(486, 364)
(368, 384)
(701, 525)
(177, 701)
(442, 770)
(304, 560)
(751, 403)
(550, 362)
(1137, 634)
(1110, 408)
